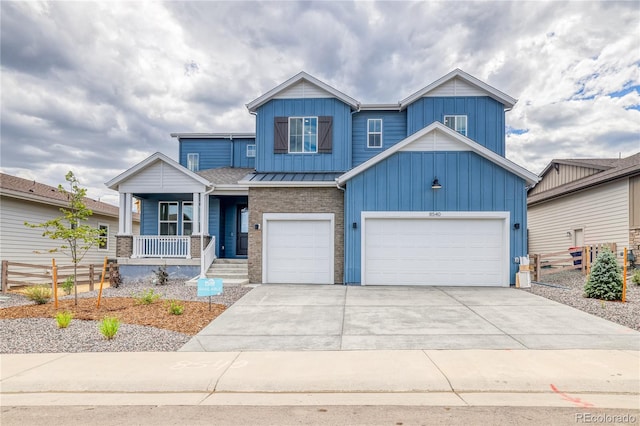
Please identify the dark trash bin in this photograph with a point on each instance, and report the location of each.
(576, 252)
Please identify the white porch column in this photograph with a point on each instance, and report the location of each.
(204, 213)
(196, 213)
(128, 224)
(121, 214)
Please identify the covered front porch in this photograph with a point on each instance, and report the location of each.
(187, 219)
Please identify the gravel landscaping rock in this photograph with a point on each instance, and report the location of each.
(39, 335)
(568, 287)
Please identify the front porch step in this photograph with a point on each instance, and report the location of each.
(232, 271)
(219, 261)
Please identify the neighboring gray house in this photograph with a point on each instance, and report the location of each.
(585, 201)
(27, 200)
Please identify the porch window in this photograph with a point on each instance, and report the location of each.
(193, 162)
(103, 242)
(457, 123)
(168, 218)
(187, 218)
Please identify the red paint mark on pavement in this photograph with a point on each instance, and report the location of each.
(579, 402)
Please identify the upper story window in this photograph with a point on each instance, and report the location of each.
(303, 134)
(457, 123)
(251, 150)
(193, 162)
(103, 242)
(168, 218)
(374, 133)
(187, 218)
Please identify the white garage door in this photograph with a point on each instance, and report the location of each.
(299, 251)
(435, 251)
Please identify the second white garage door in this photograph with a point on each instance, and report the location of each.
(468, 251)
(298, 249)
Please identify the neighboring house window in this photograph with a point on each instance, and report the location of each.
(168, 218)
(103, 242)
(187, 218)
(374, 133)
(193, 162)
(303, 134)
(251, 150)
(457, 123)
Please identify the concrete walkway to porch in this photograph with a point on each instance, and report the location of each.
(323, 318)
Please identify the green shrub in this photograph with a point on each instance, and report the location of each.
(40, 294)
(175, 307)
(109, 327)
(636, 277)
(147, 297)
(63, 318)
(67, 285)
(605, 279)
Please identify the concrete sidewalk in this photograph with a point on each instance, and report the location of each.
(552, 378)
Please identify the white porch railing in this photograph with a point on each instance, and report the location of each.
(208, 256)
(161, 246)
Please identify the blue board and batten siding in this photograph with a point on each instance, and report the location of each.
(403, 183)
(394, 129)
(485, 117)
(338, 160)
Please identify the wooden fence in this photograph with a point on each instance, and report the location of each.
(550, 263)
(15, 274)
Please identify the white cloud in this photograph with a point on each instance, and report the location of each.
(96, 87)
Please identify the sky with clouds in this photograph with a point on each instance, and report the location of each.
(97, 87)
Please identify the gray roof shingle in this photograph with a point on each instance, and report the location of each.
(613, 168)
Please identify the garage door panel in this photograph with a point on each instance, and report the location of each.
(427, 251)
(299, 251)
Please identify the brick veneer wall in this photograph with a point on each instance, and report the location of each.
(294, 200)
(124, 245)
(195, 245)
(634, 239)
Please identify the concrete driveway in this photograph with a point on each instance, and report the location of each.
(302, 317)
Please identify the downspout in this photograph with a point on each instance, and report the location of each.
(344, 260)
(232, 149)
(203, 274)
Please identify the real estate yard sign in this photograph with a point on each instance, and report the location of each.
(209, 287)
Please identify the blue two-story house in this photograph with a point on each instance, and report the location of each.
(332, 191)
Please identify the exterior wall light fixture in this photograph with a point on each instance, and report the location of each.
(436, 184)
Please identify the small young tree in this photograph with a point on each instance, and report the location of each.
(605, 279)
(77, 237)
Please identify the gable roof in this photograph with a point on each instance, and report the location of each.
(612, 169)
(31, 190)
(492, 92)
(529, 177)
(301, 77)
(157, 157)
(591, 163)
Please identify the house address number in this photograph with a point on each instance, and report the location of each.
(435, 214)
